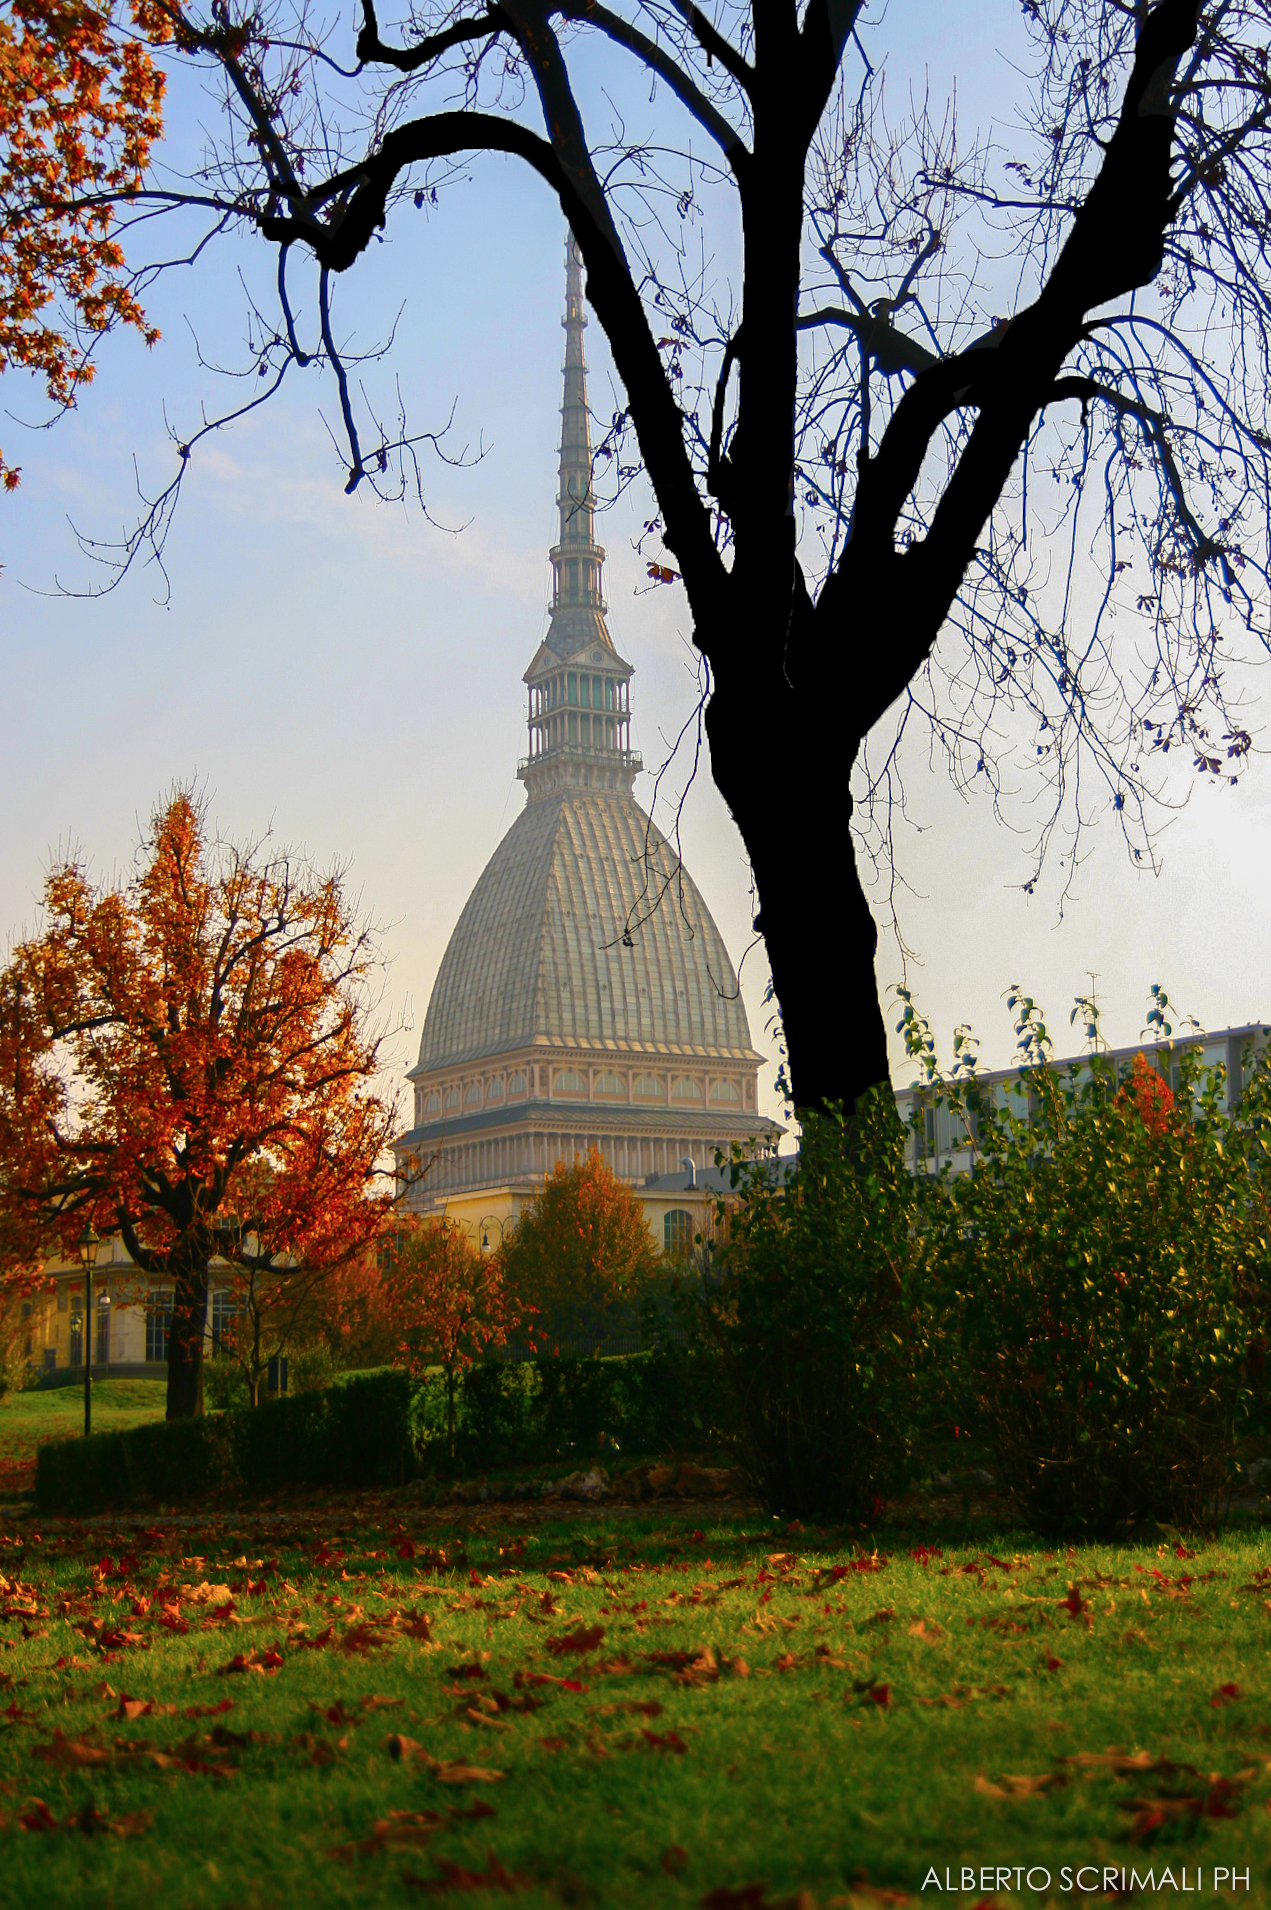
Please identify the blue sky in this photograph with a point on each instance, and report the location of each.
(351, 674)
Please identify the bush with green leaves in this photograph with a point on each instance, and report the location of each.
(1103, 1272)
(817, 1310)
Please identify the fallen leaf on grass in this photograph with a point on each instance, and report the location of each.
(577, 1641)
(88, 1820)
(399, 1827)
(266, 1664)
(321, 1750)
(495, 1876)
(871, 1692)
(133, 1708)
(206, 1594)
(1124, 1765)
(450, 1771)
(121, 1641)
(674, 1859)
(1223, 1798)
(523, 1678)
(928, 1633)
(467, 1671)
(208, 1710)
(638, 1707)
(359, 1641)
(99, 1690)
(665, 1741)
(72, 1753)
(1052, 1663)
(1022, 1786)
(786, 1662)
(1226, 1694)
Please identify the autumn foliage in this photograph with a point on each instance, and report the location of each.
(581, 1250)
(187, 1060)
(80, 108)
(433, 1299)
(1149, 1092)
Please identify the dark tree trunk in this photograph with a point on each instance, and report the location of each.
(185, 1341)
(782, 762)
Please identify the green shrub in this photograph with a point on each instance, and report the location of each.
(224, 1385)
(1104, 1275)
(354, 1433)
(817, 1309)
(526, 1412)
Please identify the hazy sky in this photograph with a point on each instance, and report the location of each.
(350, 673)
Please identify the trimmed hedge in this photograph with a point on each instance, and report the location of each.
(533, 1411)
(355, 1433)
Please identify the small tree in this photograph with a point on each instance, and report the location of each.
(1103, 1278)
(187, 1059)
(581, 1250)
(443, 1302)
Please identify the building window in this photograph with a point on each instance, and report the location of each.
(569, 1081)
(685, 1089)
(725, 1094)
(75, 1356)
(609, 1087)
(573, 687)
(224, 1313)
(158, 1325)
(517, 1086)
(472, 1098)
(452, 1100)
(648, 1088)
(494, 1090)
(63, 1298)
(677, 1232)
(573, 727)
(50, 1359)
(584, 692)
(585, 724)
(102, 1356)
(432, 1103)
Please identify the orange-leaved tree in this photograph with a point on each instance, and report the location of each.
(442, 1302)
(80, 108)
(581, 1251)
(188, 1059)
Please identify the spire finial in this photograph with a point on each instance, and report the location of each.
(580, 706)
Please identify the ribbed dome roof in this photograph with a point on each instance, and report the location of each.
(538, 954)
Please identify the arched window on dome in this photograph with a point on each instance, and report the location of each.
(494, 1090)
(567, 1082)
(677, 1233)
(472, 1097)
(432, 1104)
(684, 1089)
(451, 1102)
(647, 1087)
(518, 1087)
(609, 1087)
(725, 1094)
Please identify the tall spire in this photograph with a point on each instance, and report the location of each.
(579, 716)
(577, 559)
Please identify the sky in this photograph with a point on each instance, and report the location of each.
(347, 673)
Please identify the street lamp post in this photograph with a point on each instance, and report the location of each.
(88, 1245)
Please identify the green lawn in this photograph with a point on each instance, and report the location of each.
(28, 1418)
(621, 1711)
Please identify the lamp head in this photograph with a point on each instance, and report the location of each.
(87, 1245)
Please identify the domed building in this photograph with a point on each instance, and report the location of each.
(586, 998)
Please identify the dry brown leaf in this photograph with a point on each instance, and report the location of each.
(1023, 1786)
(71, 1753)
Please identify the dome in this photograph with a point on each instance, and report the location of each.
(583, 932)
